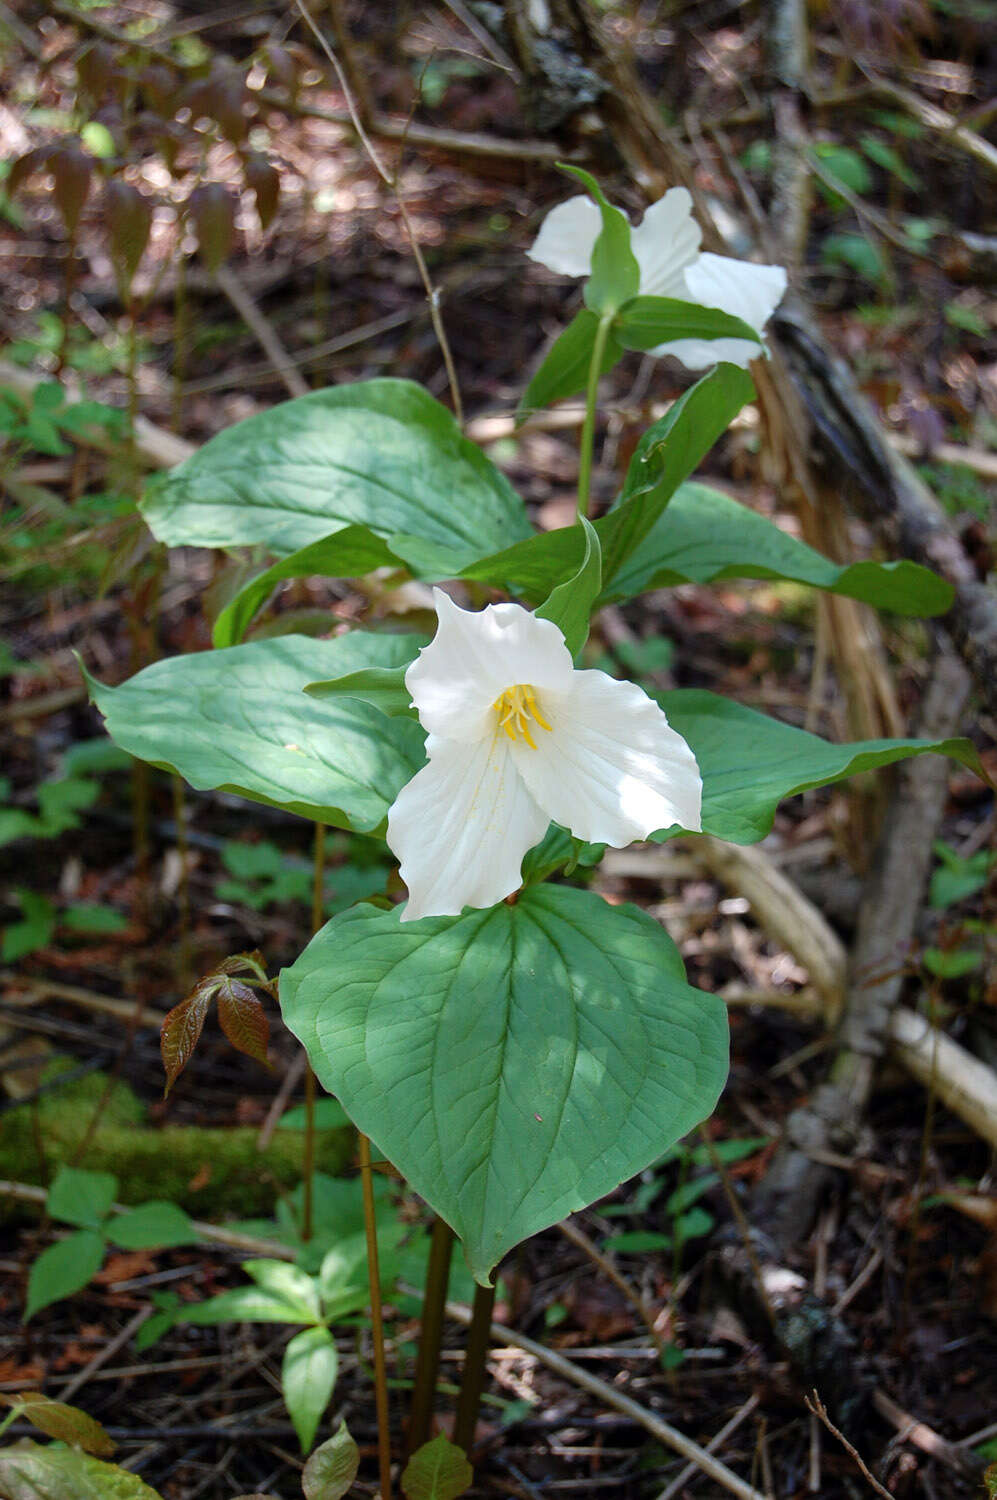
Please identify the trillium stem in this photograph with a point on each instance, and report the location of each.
(473, 1380)
(430, 1334)
(588, 427)
(377, 1321)
(308, 1152)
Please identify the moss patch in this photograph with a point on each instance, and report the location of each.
(209, 1171)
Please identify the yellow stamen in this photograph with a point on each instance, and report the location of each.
(517, 711)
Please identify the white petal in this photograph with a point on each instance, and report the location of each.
(477, 654)
(461, 826)
(567, 237)
(738, 287)
(665, 242)
(611, 770)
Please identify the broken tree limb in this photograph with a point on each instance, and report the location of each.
(786, 1200)
(783, 911)
(963, 1083)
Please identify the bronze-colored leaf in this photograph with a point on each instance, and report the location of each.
(32, 161)
(181, 1030)
(332, 1468)
(160, 87)
(212, 213)
(243, 1019)
(128, 215)
(263, 180)
(95, 68)
(439, 1470)
(281, 67)
(65, 1423)
(246, 963)
(71, 169)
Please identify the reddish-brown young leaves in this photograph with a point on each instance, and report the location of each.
(240, 1014)
(263, 180)
(128, 216)
(212, 213)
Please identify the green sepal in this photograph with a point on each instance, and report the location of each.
(615, 274)
(645, 322)
(382, 687)
(569, 605)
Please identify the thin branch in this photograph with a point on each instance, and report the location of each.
(390, 179)
(611, 1395)
(818, 1409)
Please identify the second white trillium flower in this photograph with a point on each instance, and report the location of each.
(665, 245)
(516, 738)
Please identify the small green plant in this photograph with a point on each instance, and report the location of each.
(956, 878)
(86, 1201)
(263, 876)
(686, 1219)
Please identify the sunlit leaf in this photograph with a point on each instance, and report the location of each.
(31, 1472)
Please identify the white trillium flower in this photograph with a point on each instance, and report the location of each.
(517, 737)
(666, 247)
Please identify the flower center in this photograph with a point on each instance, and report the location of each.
(517, 708)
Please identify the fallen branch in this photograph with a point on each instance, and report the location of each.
(611, 1395)
(963, 1083)
(783, 911)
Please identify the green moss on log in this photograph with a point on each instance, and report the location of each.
(210, 1171)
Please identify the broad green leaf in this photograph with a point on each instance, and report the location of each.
(570, 604)
(29, 1471)
(667, 454)
(155, 1225)
(332, 1468)
(244, 1304)
(704, 535)
(439, 1470)
(565, 371)
(286, 1281)
(83, 1198)
(515, 1064)
(378, 453)
(750, 762)
(349, 553)
(238, 720)
(645, 322)
(615, 274)
(64, 1268)
(307, 1377)
(382, 687)
(65, 1423)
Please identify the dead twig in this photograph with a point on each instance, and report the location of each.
(612, 1396)
(816, 1406)
(262, 329)
(912, 1430)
